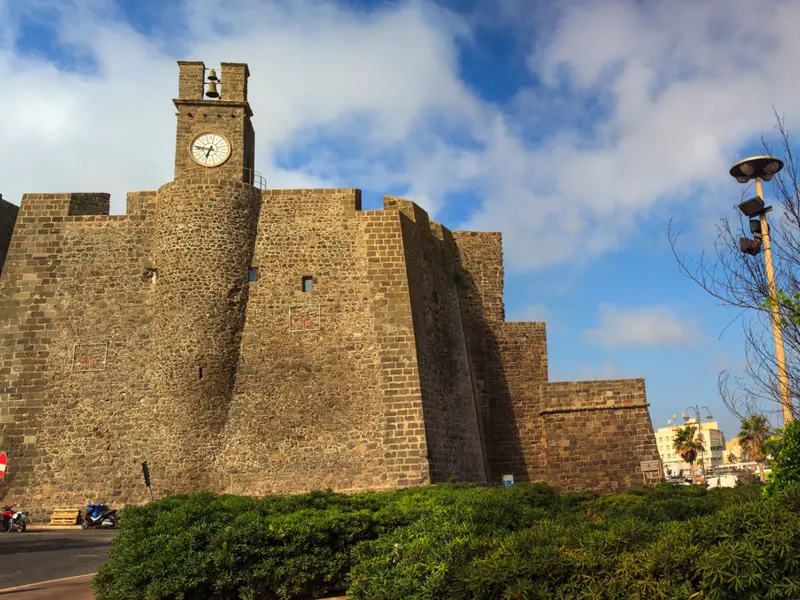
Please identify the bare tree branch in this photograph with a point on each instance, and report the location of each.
(739, 281)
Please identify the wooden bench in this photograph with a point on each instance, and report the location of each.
(64, 516)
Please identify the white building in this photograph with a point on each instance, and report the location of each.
(713, 440)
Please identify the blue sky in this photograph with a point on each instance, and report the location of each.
(576, 128)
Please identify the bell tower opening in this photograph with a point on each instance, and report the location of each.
(214, 134)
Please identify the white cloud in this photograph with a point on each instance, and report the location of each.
(315, 68)
(642, 326)
(668, 102)
(637, 108)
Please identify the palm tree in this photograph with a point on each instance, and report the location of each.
(687, 446)
(754, 431)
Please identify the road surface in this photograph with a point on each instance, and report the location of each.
(35, 556)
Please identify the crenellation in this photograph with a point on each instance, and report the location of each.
(234, 82)
(191, 75)
(141, 204)
(273, 341)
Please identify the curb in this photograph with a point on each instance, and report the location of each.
(53, 528)
(28, 586)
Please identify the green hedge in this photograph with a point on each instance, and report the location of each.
(786, 465)
(460, 541)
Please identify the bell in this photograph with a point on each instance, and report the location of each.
(212, 90)
(213, 76)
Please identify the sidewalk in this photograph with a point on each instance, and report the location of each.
(73, 588)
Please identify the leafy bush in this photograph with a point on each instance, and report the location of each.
(786, 465)
(202, 546)
(461, 541)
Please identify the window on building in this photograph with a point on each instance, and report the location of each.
(252, 274)
(307, 281)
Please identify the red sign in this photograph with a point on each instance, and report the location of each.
(3, 461)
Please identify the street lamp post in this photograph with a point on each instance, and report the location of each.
(686, 417)
(763, 168)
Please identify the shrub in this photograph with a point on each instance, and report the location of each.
(201, 546)
(453, 541)
(786, 465)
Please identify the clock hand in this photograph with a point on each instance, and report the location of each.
(210, 148)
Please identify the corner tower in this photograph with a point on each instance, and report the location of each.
(205, 231)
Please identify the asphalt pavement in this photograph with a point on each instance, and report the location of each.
(36, 556)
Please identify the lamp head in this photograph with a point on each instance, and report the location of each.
(748, 246)
(752, 207)
(763, 166)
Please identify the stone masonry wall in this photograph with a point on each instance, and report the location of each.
(322, 391)
(183, 333)
(536, 430)
(72, 308)
(405, 450)
(479, 280)
(8, 216)
(204, 235)
(596, 435)
(518, 381)
(450, 406)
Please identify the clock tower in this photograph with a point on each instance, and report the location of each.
(214, 136)
(204, 233)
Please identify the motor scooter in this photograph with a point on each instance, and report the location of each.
(99, 515)
(13, 521)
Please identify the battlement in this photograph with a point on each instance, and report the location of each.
(481, 257)
(606, 394)
(140, 203)
(317, 199)
(419, 215)
(408, 207)
(63, 205)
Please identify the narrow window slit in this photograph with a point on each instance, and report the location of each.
(200, 373)
(307, 281)
(252, 274)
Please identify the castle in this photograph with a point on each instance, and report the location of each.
(248, 340)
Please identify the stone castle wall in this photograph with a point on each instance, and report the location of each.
(536, 430)
(449, 402)
(308, 407)
(73, 308)
(182, 333)
(204, 235)
(518, 379)
(597, 434)
(479, 279)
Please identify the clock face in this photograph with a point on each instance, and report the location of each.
(210, 149)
